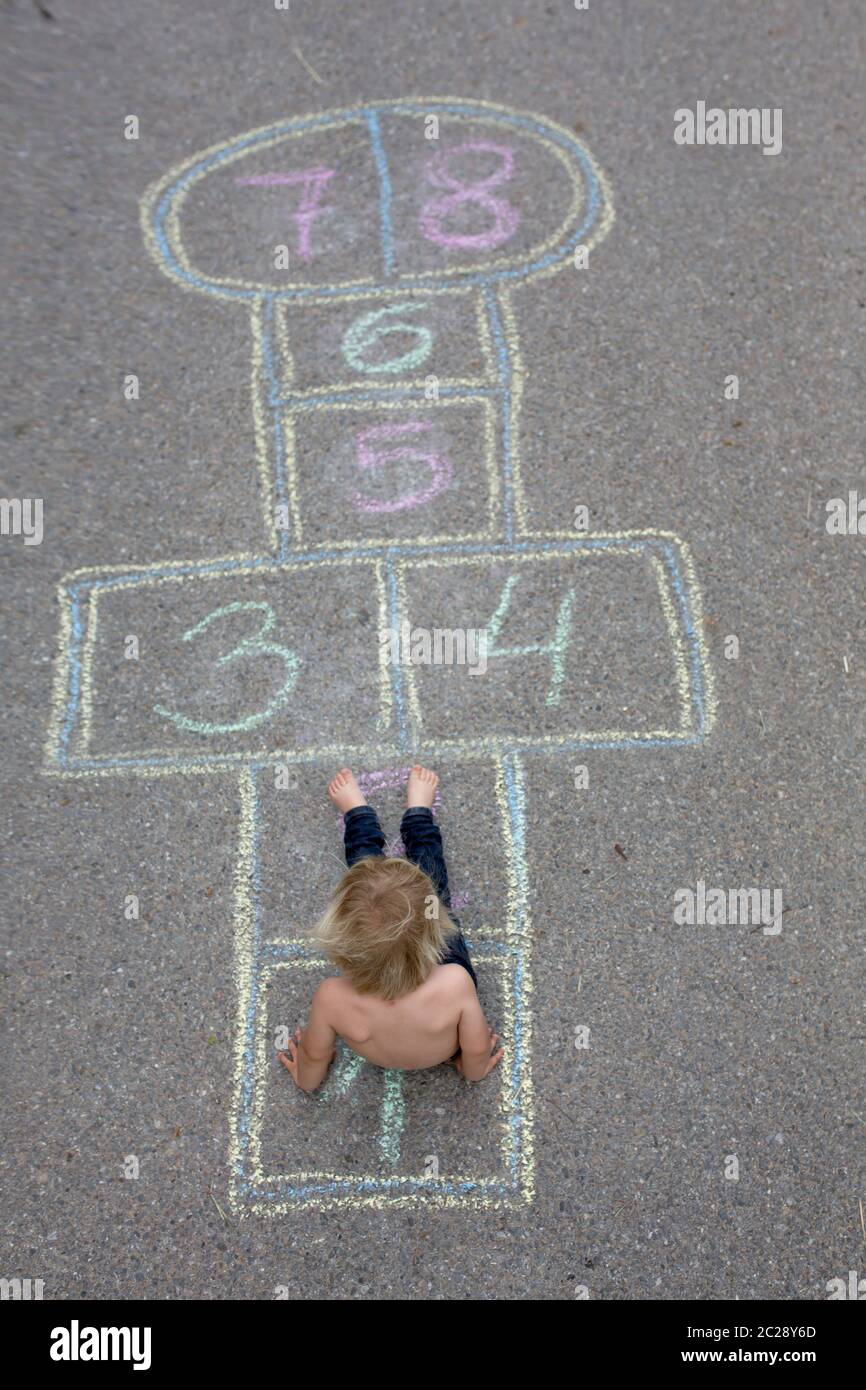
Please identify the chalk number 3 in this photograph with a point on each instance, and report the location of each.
(254, 646)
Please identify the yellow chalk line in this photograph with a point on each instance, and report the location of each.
(416, 716)
(514, 901)
(681, 666)
(60, 681)
(242, 940)
(386, 697)
(696, 606)
(259, 388)
(512, 339)
(87, 673)
(471, 750)
(101, 571)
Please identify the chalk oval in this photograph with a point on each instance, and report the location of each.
(390, 196)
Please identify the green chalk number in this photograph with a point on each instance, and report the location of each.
(253, 646)
(370, 328)
(555, 649)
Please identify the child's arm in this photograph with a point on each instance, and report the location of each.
(312, 1051)
(477, 1040)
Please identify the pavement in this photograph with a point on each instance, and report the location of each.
(681, 1109)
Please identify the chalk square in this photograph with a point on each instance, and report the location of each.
(380, 344)
(394, 471)
(300, 838)
(584, 641)
(313, 190)
(232, 664)
(347, 1142)
(467, 200)
(348, 1148)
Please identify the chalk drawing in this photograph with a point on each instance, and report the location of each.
(369, 329)
(555, 649)
(312, 182)
(373, 459)
(254, 645)
(344, 1073)
(434, 214)
(398, 283)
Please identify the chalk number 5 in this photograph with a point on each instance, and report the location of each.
(254, 646)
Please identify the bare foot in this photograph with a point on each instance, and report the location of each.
(345, 792)
(422, 786)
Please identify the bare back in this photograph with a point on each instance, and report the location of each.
(419, 1030)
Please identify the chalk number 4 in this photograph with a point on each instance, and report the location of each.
(554, 650)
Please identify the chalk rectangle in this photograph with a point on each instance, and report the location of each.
(427, 1138)
(226, 663)
(376, 345)
(391, 470)
(633, 672)
(545, 645)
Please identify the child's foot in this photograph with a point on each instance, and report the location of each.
(422, 786)
(345, 792)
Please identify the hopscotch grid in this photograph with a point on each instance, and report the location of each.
(403, 557)
(275, 403)
(68, 690)
(163, 203)
(252, 1073)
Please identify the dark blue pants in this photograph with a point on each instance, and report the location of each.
(423, 840)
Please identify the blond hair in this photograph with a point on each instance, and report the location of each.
(385, 927)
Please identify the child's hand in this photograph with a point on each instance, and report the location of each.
(492, 1061)
(290, 1059)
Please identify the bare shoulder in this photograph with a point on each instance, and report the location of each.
(456, 982)
(330, 994)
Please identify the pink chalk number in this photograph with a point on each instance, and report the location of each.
(312, 182)
(506, 219)
(375, 459)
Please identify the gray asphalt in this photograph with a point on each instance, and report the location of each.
(706, 1042)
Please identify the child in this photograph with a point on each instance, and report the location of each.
(406, 997)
